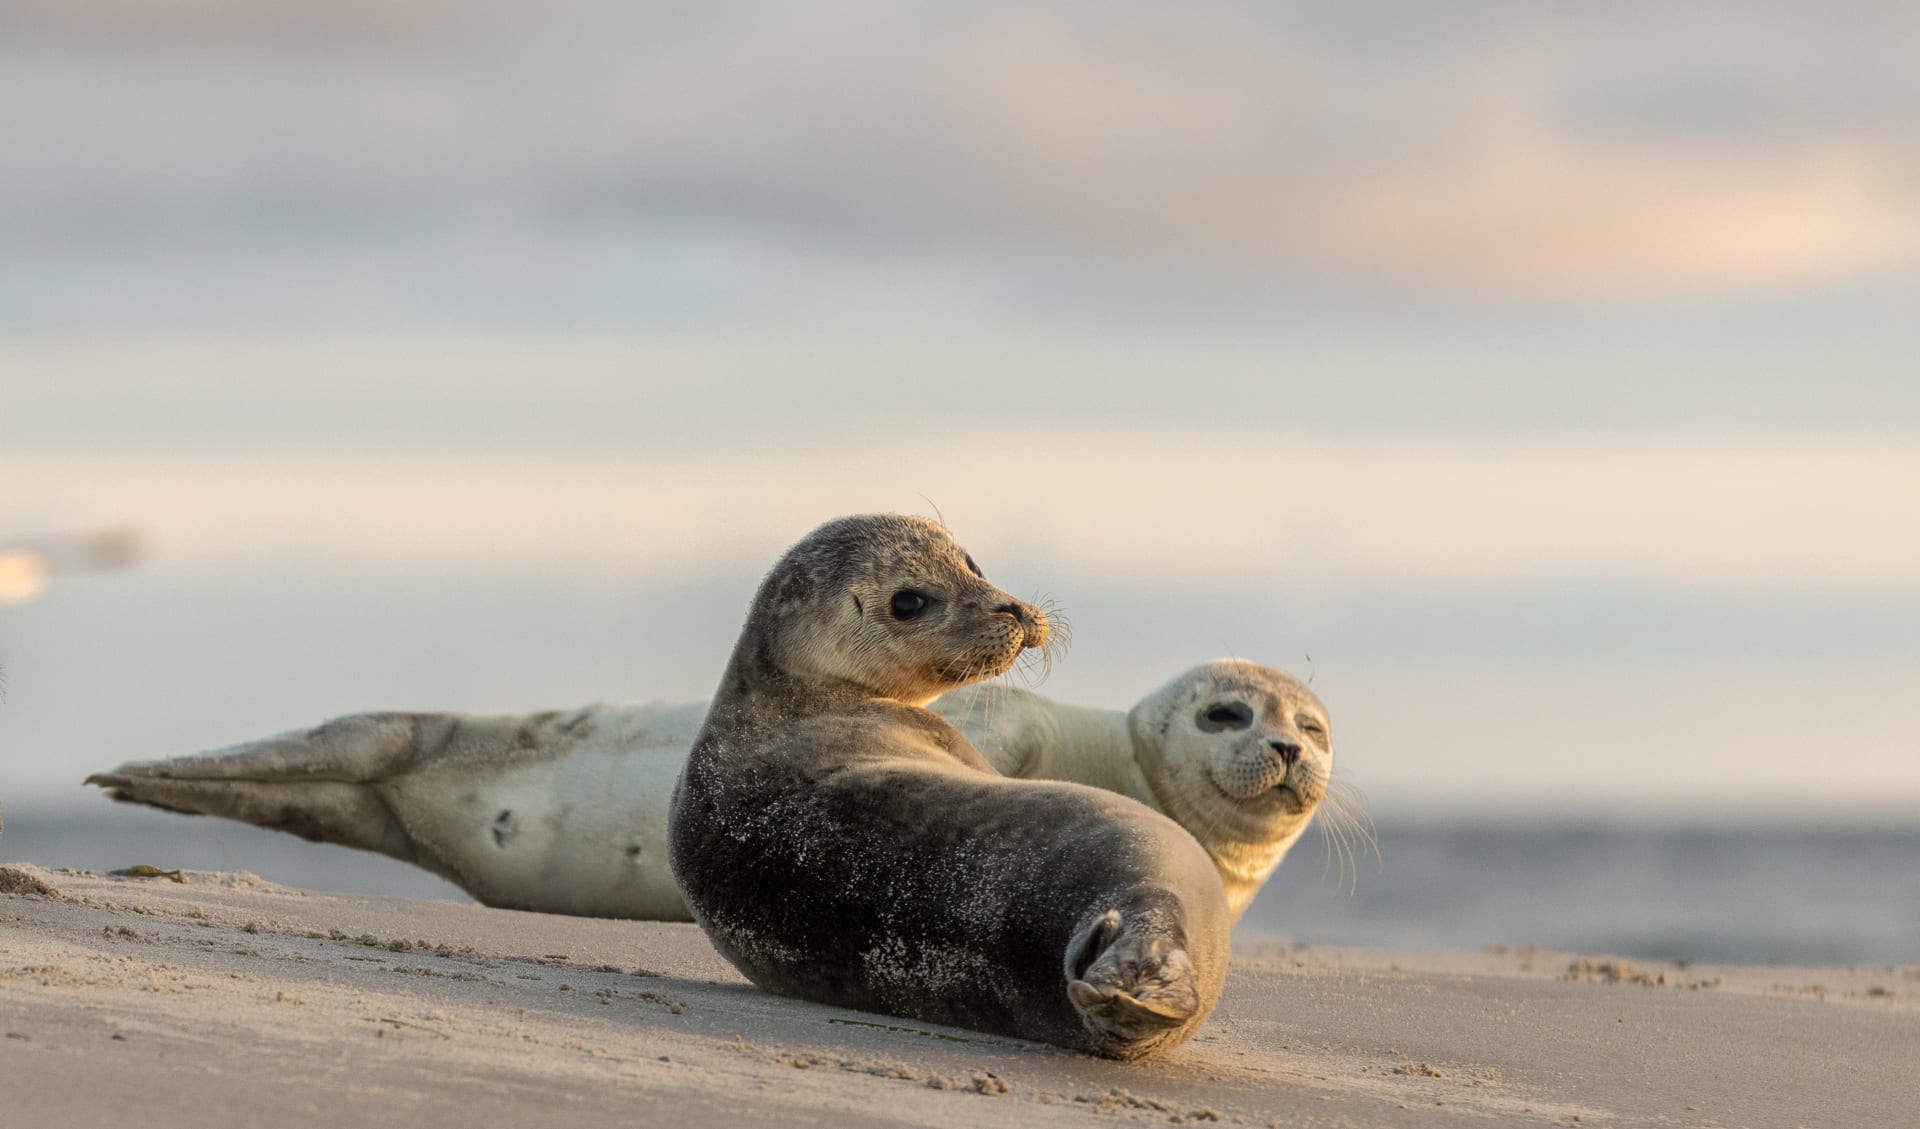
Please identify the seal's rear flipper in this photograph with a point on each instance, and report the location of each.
(1129, 984)
(319, 783)
(324, 811)
(362, 748)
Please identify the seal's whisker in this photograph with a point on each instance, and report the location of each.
(1036, 665)
(1335, 840)
(1059, 627)
(1032, 668)
(1330, 850)
(1347, 822)
(1349, 804)
(1349, 869)
(984, 702)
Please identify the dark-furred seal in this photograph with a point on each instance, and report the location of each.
(840, 843)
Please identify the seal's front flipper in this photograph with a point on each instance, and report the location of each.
(1129, 984)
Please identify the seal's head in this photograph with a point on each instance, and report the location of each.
(1236, 747)
(888, 606)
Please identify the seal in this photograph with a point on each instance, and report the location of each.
(840, 843)
(565, 811)
(1239, 754)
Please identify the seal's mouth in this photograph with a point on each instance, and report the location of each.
(989, 663)
(1012, 629)
(964, 674)
(1286, 795)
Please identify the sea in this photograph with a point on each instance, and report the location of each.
(1842, 894)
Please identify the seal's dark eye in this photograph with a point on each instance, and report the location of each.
(974, 568)
(1312, 729)
(1226, 715)
(907, 603)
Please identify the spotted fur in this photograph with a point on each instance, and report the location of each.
(839, 843)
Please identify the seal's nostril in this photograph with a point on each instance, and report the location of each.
(1017, 611)
(1289, 752)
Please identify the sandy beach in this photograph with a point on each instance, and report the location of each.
(225, 1000)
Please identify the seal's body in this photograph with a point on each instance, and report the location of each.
(838, 842)
(565, 811)
(560, 812)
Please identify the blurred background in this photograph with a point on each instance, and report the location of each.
(1540, 381)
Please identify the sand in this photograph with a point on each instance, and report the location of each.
(225, 1000)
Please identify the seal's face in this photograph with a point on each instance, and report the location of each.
(1244, 747)
(895, 606)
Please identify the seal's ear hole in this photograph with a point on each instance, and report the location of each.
(858, 607)
(908, 604)
(1225, 715)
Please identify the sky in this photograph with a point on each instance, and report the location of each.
(1537, 380)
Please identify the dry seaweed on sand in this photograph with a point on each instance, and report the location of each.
(142, 870)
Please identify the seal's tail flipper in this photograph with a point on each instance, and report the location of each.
(362, 748)
(324, 811)
(1129, 984)
(317, 783)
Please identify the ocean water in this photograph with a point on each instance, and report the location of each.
(1845, 894)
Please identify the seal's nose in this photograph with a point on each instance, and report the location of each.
(1289, 752)
(1032, 623)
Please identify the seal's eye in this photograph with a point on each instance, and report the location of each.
(1312, 729)
(907, 603)
(974, 568)
(1226, 715)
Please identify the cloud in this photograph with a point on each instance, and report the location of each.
(1472, 182)
(1537, 214)
(1759, 518)
(1580, 155)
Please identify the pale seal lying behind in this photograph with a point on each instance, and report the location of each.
(838, 842)
(565, 811)
(1237, 753)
